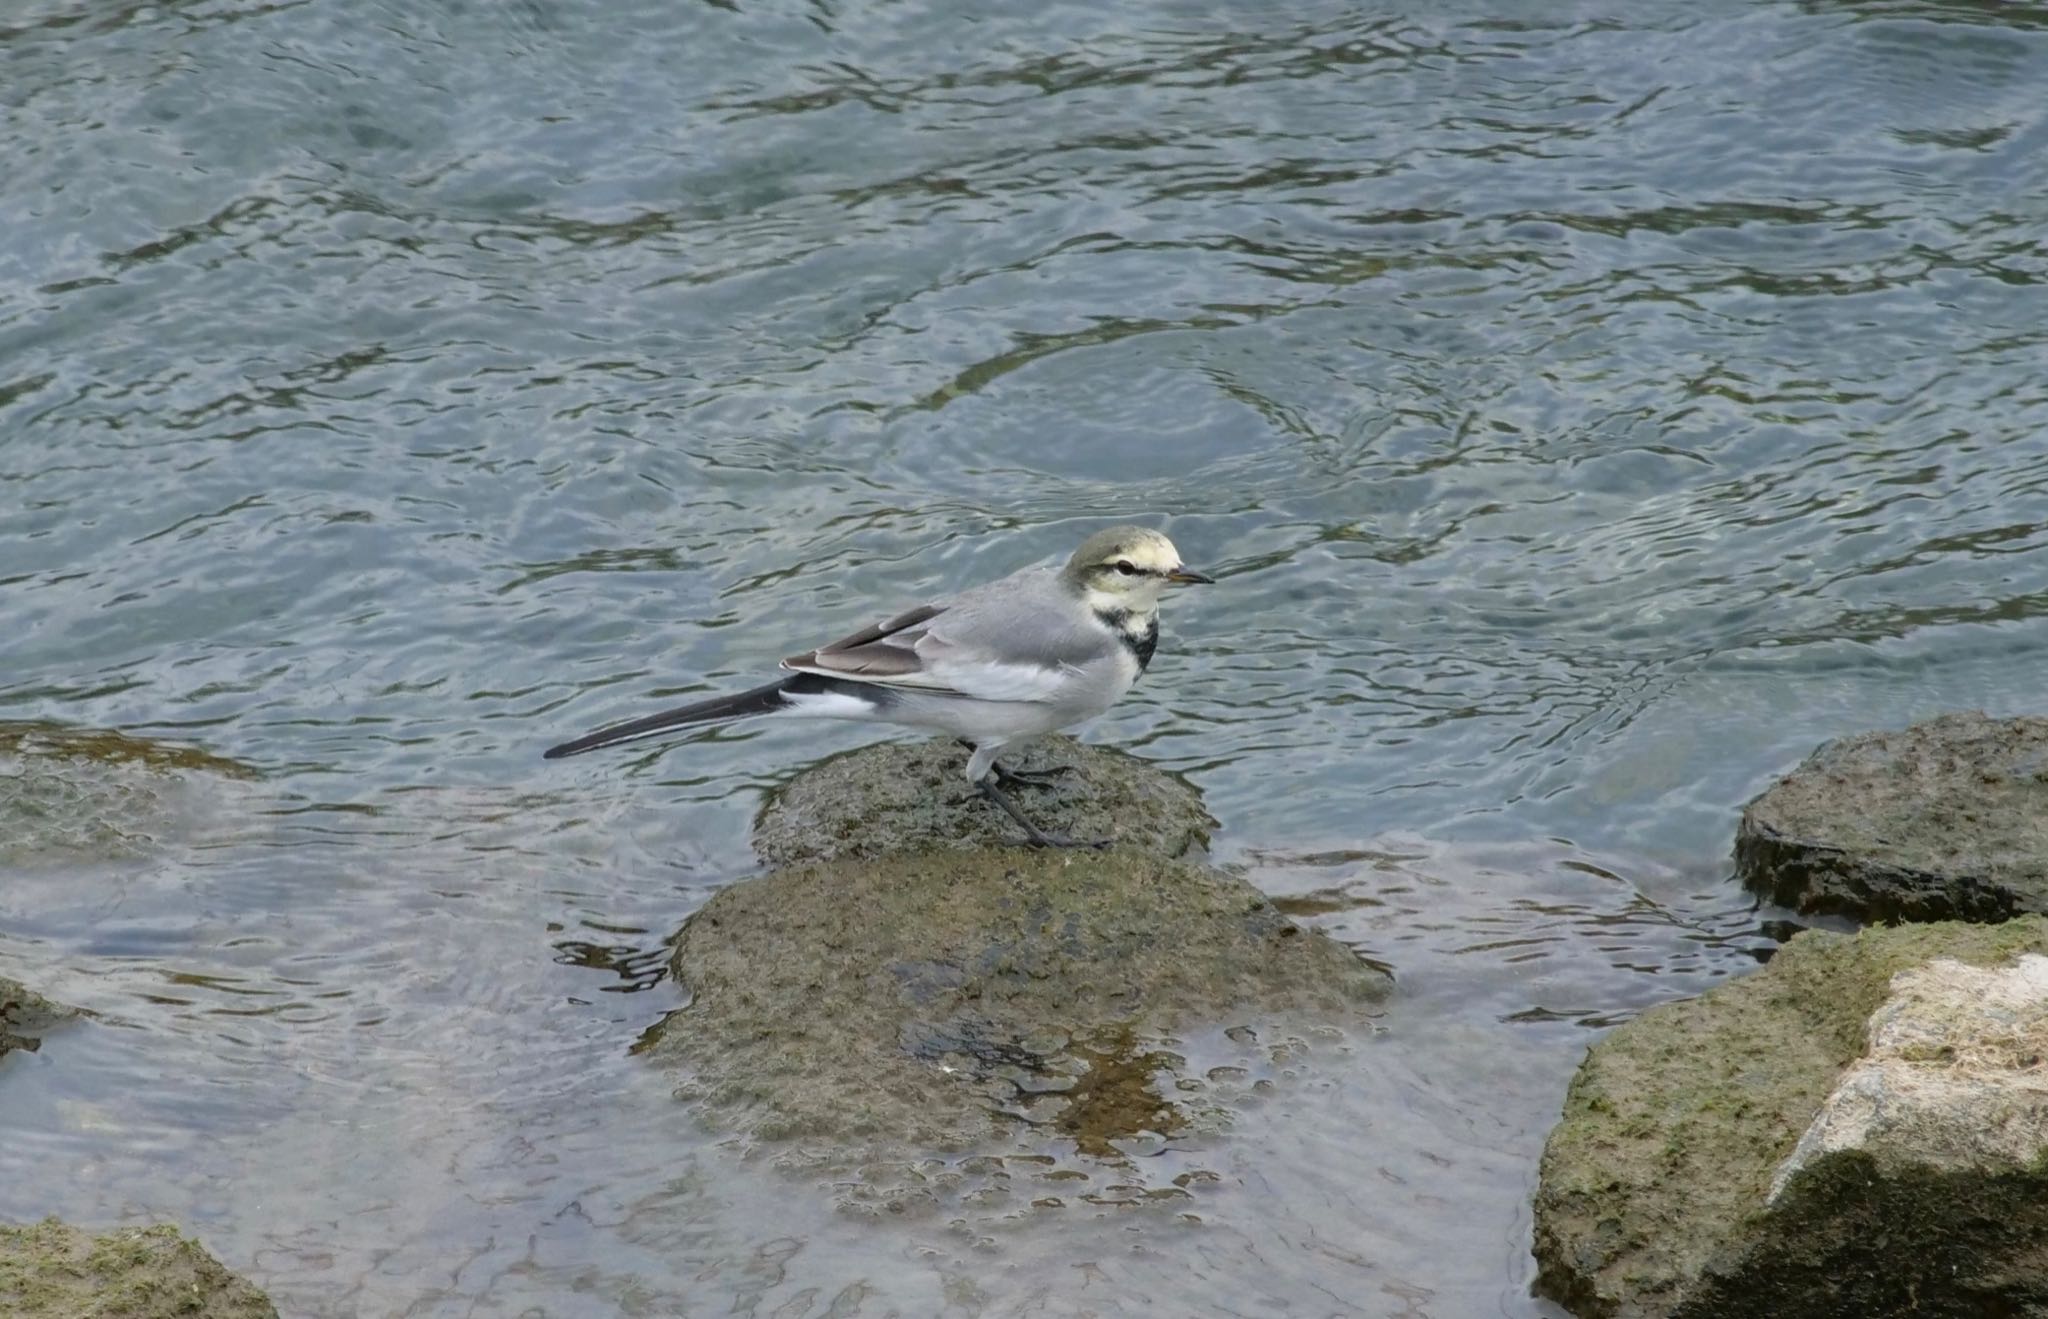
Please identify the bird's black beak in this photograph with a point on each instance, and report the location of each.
(1188, 576)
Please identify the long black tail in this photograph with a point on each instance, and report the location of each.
(761, 700)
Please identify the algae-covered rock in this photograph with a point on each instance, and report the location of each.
(1040, 1009)
(1655, 1195)
(54, 1271)
(1947, 819)
(901, 796)
(924, 1011)
(26, 1016)
(85, 795)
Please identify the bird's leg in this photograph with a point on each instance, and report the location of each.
(1032, 833)
(1031, 778)
(1017, 778)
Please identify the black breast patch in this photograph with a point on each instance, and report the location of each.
(1143, 646)
(1140, 644)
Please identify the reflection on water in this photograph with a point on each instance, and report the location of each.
(1588, 415)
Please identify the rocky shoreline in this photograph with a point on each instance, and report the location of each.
(97, 795)
(1860, 1129)
(52, 1270)
(919, 1015)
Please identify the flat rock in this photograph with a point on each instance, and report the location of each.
(51, 1270)
(997, 1023)
(1656, 1189)
(903, 796)
(1947, 819)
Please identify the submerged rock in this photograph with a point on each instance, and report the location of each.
(925, 1015)
(1947, 819)
(87, 795)
(885, 1016)
(1702, 1169)
(54, 1271)
(26, 1016)
(904, 796)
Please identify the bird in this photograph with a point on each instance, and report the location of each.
(1041, 649)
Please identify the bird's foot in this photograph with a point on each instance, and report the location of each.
(1031, 778)
(1033, 835)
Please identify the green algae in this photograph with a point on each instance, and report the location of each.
(1116, 1095)
(1653, 1184)
(43, 738)
(50, 1270)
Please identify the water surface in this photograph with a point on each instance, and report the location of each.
(1586, 410)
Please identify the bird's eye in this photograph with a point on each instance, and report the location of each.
(1126, 567)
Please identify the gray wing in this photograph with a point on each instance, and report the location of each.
(1019, 639)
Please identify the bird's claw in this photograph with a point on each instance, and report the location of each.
(1032, 778)
(1033, 835)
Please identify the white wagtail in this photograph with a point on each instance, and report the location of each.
(1038, 650)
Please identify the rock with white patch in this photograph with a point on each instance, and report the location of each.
(1956, 1077)
(1854, 1132)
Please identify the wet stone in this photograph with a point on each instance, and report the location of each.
(1721, 1157)
(1947, 819)
(990, 1028)
(26, 1016)
(71, 795)
(50, 1270)
(903, 796)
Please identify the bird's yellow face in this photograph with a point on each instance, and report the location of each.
(1125, 569)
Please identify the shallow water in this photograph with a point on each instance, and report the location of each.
(1586, 412)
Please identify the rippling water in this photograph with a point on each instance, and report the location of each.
(1587, 411)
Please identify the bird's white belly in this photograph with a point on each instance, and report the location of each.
(1090, 690)
(988, 721)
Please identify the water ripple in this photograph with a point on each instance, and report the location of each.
(1585, 414)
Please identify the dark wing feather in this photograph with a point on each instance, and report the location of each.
(867, 653)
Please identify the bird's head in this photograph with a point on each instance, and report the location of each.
(1126, 568)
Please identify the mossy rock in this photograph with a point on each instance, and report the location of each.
(1945, 820)
(906, 796)
(1654, 1189)
(54, 1271)
(999, 1003)
(26, 1016)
